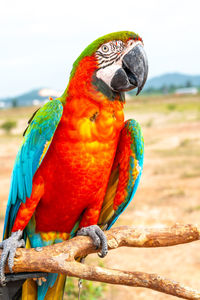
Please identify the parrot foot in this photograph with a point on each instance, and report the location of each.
(98, 237)
(9, 247)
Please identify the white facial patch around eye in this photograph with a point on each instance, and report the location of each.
(106, 74)
(109, 52)
(117, 46)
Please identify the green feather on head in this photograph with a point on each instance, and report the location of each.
(92, 48)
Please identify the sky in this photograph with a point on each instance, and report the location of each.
(40, 39)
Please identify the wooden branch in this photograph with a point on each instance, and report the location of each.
(60, 258)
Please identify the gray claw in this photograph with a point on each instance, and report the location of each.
(98, 237)
(9, 247)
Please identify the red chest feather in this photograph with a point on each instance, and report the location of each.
(77, 165)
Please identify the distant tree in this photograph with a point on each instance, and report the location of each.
(172, 87)
(164, 89)
(188, 83)
(149, 90)
(14, 102)
(8, 126)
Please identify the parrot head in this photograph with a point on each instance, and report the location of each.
(113, 63)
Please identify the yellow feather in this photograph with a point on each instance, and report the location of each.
(29, 288)
(45, 150)
(57, 290)
(107, 208)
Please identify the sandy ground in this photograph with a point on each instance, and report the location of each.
(168, 192)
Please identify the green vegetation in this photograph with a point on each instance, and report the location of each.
(164, 104)
(185, 148)
(89, 291)
(177, 193)
(190, 174)
(191, 209)
(171, 106)
(149, 123)
(14, 102)
(8, 126)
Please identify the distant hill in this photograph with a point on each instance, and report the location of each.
(34, 97)
(166, 83)
(176, 79)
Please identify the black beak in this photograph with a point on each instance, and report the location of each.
(133, 72)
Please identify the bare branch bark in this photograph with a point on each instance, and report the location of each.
(60, 258)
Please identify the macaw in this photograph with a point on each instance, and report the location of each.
(79, 164)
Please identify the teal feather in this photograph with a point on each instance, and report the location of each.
(137, 149)
(39, 132)
(42, 290)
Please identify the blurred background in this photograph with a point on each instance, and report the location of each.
(39, 42)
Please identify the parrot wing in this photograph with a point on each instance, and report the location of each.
(37, 139)
(125, 174)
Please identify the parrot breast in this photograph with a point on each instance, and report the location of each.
(78, 163)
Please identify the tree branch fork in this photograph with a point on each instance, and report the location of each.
(61, 257)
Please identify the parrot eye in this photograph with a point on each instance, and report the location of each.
(104, 48)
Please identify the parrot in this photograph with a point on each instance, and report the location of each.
(80, 163)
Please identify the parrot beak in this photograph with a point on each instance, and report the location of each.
(133, 72)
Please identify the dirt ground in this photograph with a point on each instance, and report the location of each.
(168, 192)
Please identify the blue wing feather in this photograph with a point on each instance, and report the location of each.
(30, 156)
(137, 147)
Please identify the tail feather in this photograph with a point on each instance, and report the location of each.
(29, 290)
(53, 287)
(47, 291)
(43, 288)
(56, 292)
